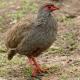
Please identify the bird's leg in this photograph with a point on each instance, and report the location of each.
(34, 72)
(36, 67)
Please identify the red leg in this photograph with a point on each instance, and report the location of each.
(34, 72)
(36, 67)
(39, 68)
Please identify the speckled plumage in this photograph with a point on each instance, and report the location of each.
(33, 38)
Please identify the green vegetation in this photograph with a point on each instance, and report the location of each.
(26, 7)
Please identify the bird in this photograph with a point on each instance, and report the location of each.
(34, 38)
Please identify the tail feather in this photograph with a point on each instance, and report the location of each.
(11, 53)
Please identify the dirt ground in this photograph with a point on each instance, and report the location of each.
(63, 57)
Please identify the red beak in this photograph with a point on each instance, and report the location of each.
(54, 8)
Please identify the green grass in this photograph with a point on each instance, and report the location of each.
(27, 71)
(3, 4)
(26, 7)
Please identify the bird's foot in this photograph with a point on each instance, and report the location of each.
(39, 71)
(42, 70)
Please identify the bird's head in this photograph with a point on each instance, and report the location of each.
(46, 9)
(49, 7)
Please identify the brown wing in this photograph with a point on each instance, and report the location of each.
(16, 33)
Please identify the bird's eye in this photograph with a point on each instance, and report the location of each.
(49, 7)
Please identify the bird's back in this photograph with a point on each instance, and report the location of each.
(17, 32)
